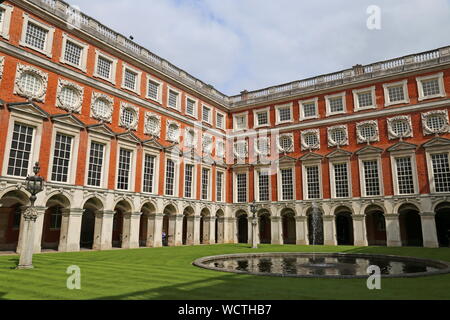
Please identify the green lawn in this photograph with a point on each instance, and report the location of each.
(167, 273)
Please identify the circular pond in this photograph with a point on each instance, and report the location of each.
(322, 265)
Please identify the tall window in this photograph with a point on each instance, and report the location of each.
(241, 187)
(36, 36)
(405, 177)
(220, 121)
(341, 180)
(73, 53)
(284, 114)
(205, 184)
(188, 174)
(206, 114)
(149, 173)
(123, 176)
(263, 185)
(396, 93)
(441, 172)
(241, 122)
(152, 90)
(190, 107)
(170, 177)
(61, 158)
(173, 99)
(104, 67)
(365, 99)
(287, 184)
(95, 164)
(336, 105)
(309, 110)
(431, 87)
(219, 186)
(262, 118)
(55, 218)
(371, 178)
(313, 182)
(20, 151)
(130, 78)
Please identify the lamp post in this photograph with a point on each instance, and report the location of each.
(34, 185)
(253, 210)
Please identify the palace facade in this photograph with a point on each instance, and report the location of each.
(133, 148)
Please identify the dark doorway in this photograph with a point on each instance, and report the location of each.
(87, 229)
(165, 230)
(443, 224)
(242, 229)
(344, 229)
(410, 227)
(376, 228)
(117, 229)
(289, 233)
(265, 228)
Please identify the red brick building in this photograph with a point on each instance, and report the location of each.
(136, 152)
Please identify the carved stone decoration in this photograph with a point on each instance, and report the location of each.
(239, 145)
(207, 144)
(306, 145)
(78, 92)
(333, 131)
(391, 122)
(152, 124)
(176, 133)
(367, 125)
(257, 146)
(190, 138)
(102, 107)
(440, 120)
(132, 123)
(41, 79)
(285, 136)
(2, 62)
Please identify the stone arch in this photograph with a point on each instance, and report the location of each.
(51, 231)
(90, 207)
(264, 224)
(442, 219)
(411, 203)
(288, 226)
(315, 226)
(121, 208)
(63, 193)
(344, 225)
(145, 229)
(375, 225)
(11, 203)
(242, 226)
(410, 224)
(168, 226)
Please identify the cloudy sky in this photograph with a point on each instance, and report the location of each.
(252, 44)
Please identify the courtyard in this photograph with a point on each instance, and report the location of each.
(168, 274)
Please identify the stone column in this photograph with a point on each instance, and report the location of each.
(206, 230)
(301, 230)
(197, 230)
(69, 240)
(29, 216)
(38, 226)
(103, 230)
(212, 230)
(220, 230)
(276, 228)
(130, 234)
(229, 233)
(190, 230)
(154, 230)
(393, 230)
(359, 230)
(178, 235)
(429, 232)
(329, 234)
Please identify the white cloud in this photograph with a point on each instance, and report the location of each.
(250, 44)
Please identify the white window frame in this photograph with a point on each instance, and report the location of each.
(137, 84)
(235, 190)
(256, 147)
(106, 141)
(387, 99)
(311, 163)
(160, 89)
(210, 183)
(280, 148)
(401, 154)
(75, 134)
(280, 185)
(328, 107)
(4, 27)
(132, 174)
(156, 175)
(224, 120)
(356, 94)
(256, 124)
(195, 115)
(112, 77)
(84, 52)
(333, 180)
(301, 103)
(289, 106)
(429, 152)
(256, 183)
(361, 159)
(194, 179)
(48, 40)
(440, 77)
(176, 187)
(235, 116)
(210, 114)
(169, 88)
(37, 125)
(224, 179)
